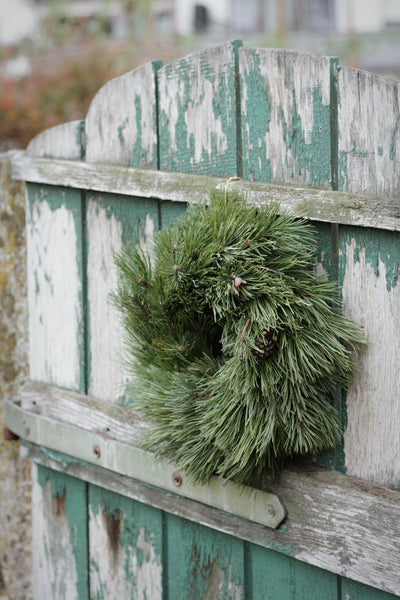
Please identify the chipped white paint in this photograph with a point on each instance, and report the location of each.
(189, 91)
(122, 117)
(54, 288)
(54, 567)
(105, 332)
(290, 80)
(369, 133)
(119, 572)
(372, 438)
(62, 141)
(203, 128)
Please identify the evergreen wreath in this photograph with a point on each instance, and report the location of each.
(235, 346)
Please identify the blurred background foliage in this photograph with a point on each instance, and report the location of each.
(51, 73)
(57, 71)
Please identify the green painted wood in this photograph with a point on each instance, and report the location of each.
(352, 590)
(55, 290)
(60, 542)
(112, 222)
(198, 113)
(125, 548)
(169, 211)
(274, 576)
(286, 116)
(202, 564)
(369, 270)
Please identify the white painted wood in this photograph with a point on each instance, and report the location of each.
(285, 98)
(54, 287)
(62, 141)
(54, 569)
(315, 204)
(344, 525)
(121, 122)
(369, 133)
(372, 438)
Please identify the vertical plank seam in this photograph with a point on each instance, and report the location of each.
(164, 557)
(238, 116)
(88, 591)
(247, 576)
(339, 395)
(157, 64)
(85, 368)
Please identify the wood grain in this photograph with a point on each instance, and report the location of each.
(285, 103)
(315, 204)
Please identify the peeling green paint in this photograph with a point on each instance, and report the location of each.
(203, 563)
(313, 160)
(379, 246)
(134, 534)
(256, 165)
(197, 86)
(70, 496)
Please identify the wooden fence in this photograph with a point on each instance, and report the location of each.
(109, 521)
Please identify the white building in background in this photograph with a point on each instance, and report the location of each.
(252, 16)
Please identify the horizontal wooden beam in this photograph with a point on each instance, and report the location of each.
(335, 522)
(110, 453)
(314, 204)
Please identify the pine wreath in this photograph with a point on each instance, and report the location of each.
(235, 346)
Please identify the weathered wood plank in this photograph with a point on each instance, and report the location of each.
(276, 576)
(60, 542)
(369, 268)
(369, 135)
(125, 547)
(334, 522)
(63, 141)
(121, 124)
(318, 205)
(54, 240)
(197, 112)
(204, 563)
(285, 103)
(112, 223)
(124, 458)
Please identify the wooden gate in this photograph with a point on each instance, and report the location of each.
(109, 520)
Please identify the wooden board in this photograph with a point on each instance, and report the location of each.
(203, 563)
(315, 204)
(125, 547)
(120, 126)
(55, 294)
(274, 576)
(286, 120)
(60, 543)
(333, 521)
(369, 268)
(112, 223)
(197, 113)
(338, 527)
(63, 141)
(369, 134)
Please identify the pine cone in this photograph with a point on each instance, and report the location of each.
(265, 346)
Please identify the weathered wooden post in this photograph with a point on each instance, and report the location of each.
(111, 521)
